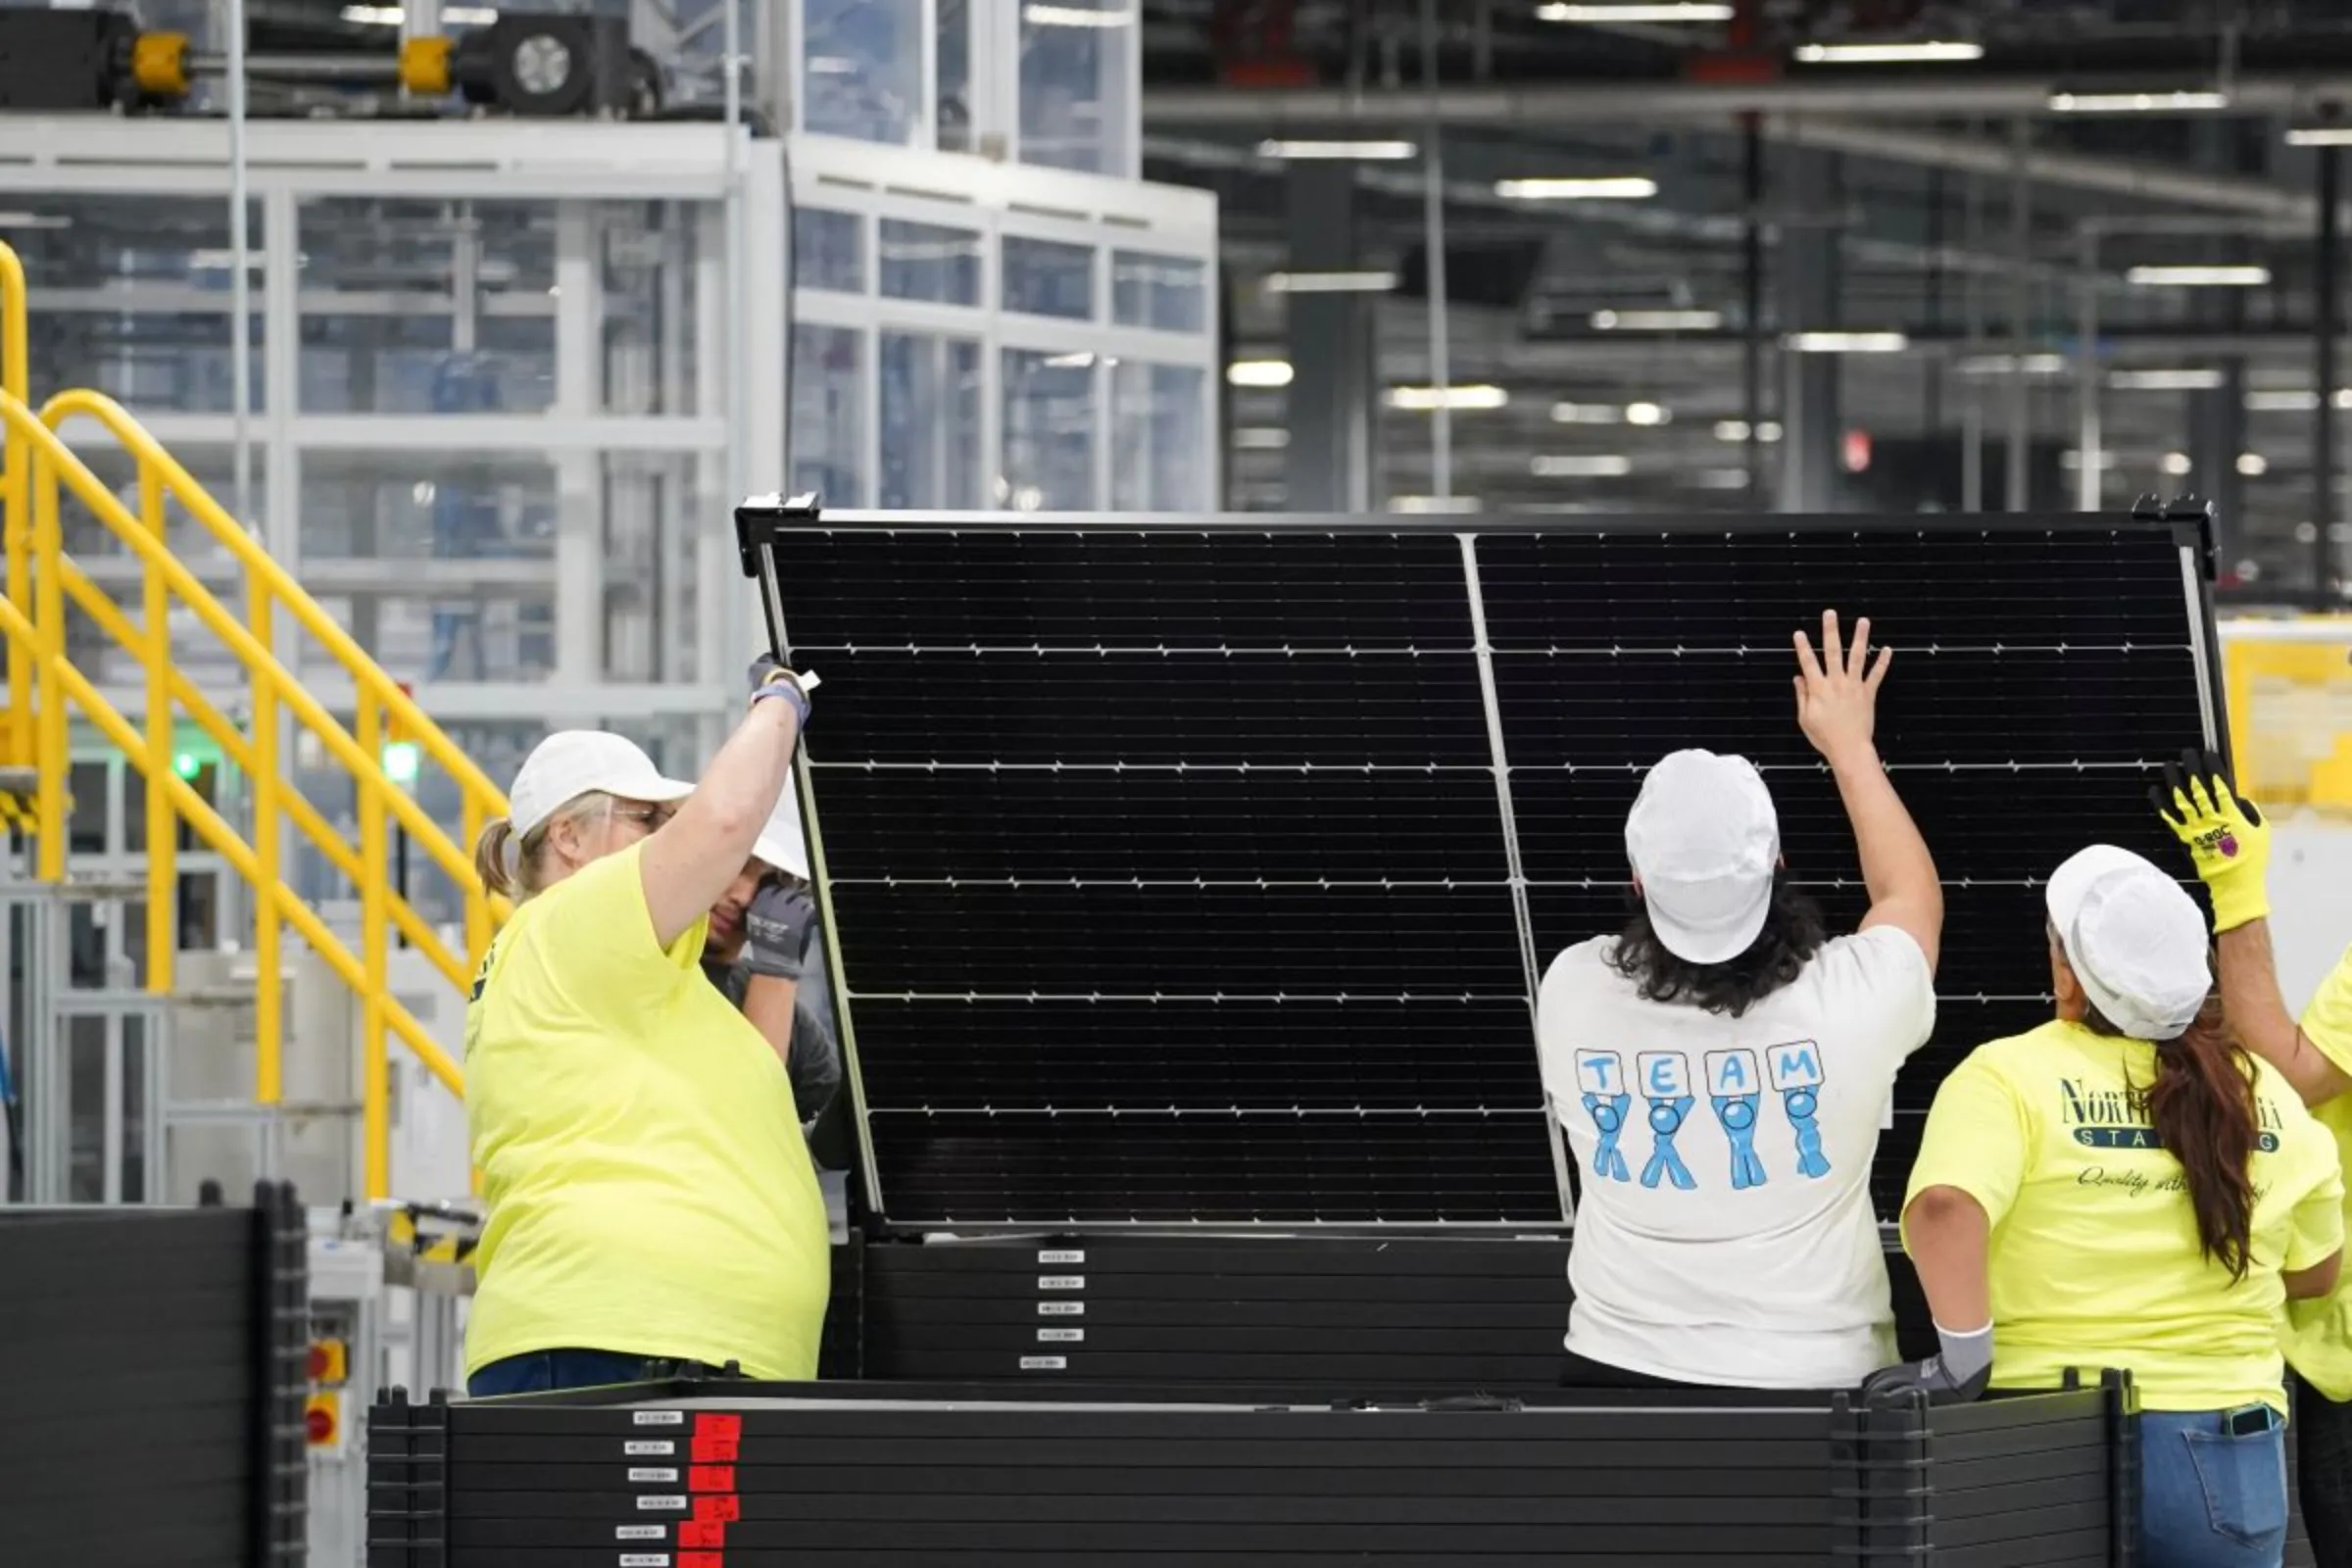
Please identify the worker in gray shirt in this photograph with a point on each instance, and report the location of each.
(765, 928)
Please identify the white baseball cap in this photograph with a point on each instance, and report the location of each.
(2136, 940)
(781, 843)
(1704, 838)
(573, 762)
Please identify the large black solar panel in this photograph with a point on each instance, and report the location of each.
(1171, 882)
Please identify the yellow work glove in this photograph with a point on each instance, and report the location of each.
(2226, 836)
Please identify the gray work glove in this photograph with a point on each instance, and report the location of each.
(777, 929)
(1958, 1374)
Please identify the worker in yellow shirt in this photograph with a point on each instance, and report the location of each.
(650, 1196)
(2230, 844)
(2123, 1187)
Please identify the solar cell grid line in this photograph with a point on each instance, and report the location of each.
(1263, 698)
(1209, 850)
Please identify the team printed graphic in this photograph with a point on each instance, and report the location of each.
(1736, 1085)
(1600, 1074)
(1735, 1088)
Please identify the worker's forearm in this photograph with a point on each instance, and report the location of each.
(2258, 1015)
(768, 1005)
(1950, 1237)
(1896, 862)
(740, 786)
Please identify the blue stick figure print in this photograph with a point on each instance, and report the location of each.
(1666, 1085)
(1736, 1089)
(1796, 1074)
(1600, 1074)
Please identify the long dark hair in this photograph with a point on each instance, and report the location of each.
(2203, 1110)
(1792, 933)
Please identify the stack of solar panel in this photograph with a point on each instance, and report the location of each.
(1409, 1314)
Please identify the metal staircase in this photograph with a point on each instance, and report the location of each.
(174, 1007)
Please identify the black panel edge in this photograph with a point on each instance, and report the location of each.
(763, 523)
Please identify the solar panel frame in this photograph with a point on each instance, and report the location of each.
(767, 525)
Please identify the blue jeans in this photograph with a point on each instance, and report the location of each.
(545, 1371)
(2208, 1499)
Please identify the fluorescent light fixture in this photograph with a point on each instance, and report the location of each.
(2253, 465)
(1586, 413)
(2176, 463)
(1598, 188)
(1580, 465)
(1656, 321)
(1434, 504)
(20, 220)
(2137, 103)
(1361, 282)
(1631, 11)
(1845, 342)
(1261, 438)
(1421, 398)
(2294, 402)
(1258, 372)
(1370, 151)
(1717, 480)
(2071, 459)
(2009, 364)
(1646, 414)
(1074, 16)
(1939, 53)
(2320, 136)
(1080, 361)
(1737, 430)
(2197, 276)
(2183, 380)
(394, 16)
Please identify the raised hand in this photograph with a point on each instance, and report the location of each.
(1838, 688)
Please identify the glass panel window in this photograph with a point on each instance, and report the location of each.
(1049, 432)
(1047, 278)
(1168, 293)
(828, 414)
(1159, 435)
(952, 122)
(828, 250)
(930, 261)
(861, 69)
(1077, 101)
(930, 422)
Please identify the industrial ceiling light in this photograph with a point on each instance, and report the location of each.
(2294, 402)
(1646, 414)
(2253, 465)
(1586, 413)
(1580, 465)
(2184, 380)
(2176, 464)
(1369, 151)
(2197, 276)
(1604, 13)
(1932, 52)
(2320, 136)
(1737, 430)
(2012, 365)
(1845, 342)
(1434, 504)
(1656, 321)
(1258, 372)
(2137, 103)
(1261, 438)
(1422, 398)
(1039, 16)
(1601, 188)
(1367, 281)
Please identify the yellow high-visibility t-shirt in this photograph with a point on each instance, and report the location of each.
(649, 1191)
(2095, 1261)
(2319, 1339)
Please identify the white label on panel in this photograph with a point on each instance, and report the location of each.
(645, 1559)
(1062, 1282)
(639, 1473)
(1045, 1363)
(662, 1504)
(1062, 1336)
(1050, 1259)
(649, 1448)
(659, 1418)
(642, 1533)
(1061, 1309)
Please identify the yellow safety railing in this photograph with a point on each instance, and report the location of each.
(43, 682)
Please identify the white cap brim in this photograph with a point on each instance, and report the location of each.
(1709, 923)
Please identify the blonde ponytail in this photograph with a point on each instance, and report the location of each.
(490, 857)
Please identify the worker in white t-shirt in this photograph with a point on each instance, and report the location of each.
(1722, 1069)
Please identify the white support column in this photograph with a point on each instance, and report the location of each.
(718, 587)
(579, 493)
